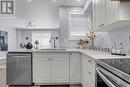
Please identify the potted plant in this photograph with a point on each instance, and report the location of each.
(36, 44)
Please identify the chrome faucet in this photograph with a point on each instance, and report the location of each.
(54, 39)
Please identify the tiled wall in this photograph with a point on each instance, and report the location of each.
(23, 33)
(106, 39)
(121, 35)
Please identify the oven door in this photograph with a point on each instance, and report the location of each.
(111, 79)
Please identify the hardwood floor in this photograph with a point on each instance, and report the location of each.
(2, 77)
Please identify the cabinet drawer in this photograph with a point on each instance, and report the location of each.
(91, 68)
(62, 55)
(41, 55)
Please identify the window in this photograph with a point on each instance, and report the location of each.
(40, 40)
(79, 25)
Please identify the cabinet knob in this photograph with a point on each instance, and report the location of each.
(52, 59)
(89, 72)
(89, 60)
(100, 25)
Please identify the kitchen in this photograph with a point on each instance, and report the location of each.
(66, 43)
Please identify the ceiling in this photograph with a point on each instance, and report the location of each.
(69, 2)
(37, 11)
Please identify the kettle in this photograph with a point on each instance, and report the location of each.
(29, 46)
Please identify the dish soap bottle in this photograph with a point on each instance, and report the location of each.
(121, 48)
(113, 51)
(128, 48)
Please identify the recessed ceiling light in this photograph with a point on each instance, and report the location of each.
(78, 0)
(29, 0)
(54, 0)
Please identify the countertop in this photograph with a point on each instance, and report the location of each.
(91, 53)
(98, 54)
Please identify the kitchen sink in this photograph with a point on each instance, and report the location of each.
(60, 49)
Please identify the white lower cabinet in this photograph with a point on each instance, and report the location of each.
(41, 68)
(75, 67)
(50, 67)
(60, 68)
(88, 71)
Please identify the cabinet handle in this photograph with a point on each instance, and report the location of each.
(52, 59)
(89, 60)
(89, 72)
(100, 25)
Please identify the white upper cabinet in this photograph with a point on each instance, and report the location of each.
(112, 11)
(124, 10)
(98, 13)
(110, 14)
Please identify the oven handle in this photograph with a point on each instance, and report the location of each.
(105, 79)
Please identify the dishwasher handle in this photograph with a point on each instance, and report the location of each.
(18, 56)
(109, 83)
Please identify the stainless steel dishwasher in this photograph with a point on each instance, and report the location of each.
(19, 68)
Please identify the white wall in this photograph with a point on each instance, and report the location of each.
(42, 13)
(23, 33)
(11, 39)
(107, 39)
(102, 40)
(121, 35)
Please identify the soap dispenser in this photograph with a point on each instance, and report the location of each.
(113, 51)
(128, 48)
(122, 48)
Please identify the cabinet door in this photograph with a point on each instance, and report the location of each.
(112, 11)
(97, 12)
(60, 68)
(75, 67)
(41, 68)
(103, 13)
(84, 68)
(88, 72)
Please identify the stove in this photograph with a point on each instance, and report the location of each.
(120, 64)
(115, 72)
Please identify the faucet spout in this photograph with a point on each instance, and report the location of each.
(54, 42)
